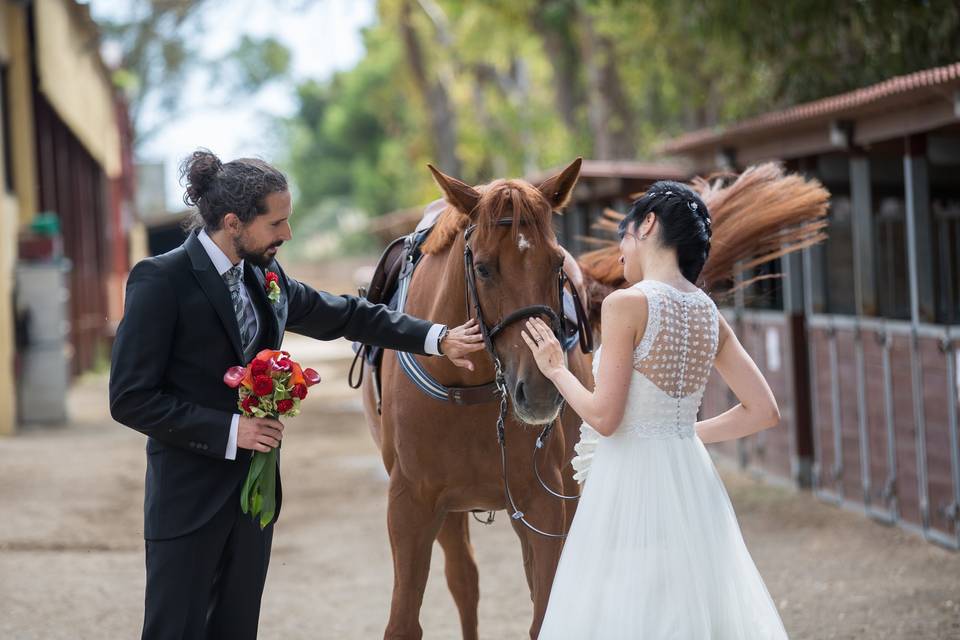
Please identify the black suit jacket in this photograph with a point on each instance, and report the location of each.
(178, 337)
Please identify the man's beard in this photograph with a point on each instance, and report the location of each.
(260, 258)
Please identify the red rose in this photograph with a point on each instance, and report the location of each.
(259, 367)
(299, 391)
(281, 363)
(262, 385)
(284, 405)
(250, 401)
(272, 277)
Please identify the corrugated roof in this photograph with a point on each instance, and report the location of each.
(830, 107)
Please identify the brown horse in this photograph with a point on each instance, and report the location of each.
(444, 459)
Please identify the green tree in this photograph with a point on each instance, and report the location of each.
(161, 45)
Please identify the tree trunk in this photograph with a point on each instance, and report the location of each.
(436, 98)
(552, 20)
(609, 114)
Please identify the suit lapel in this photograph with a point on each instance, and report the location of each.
(215, 289)
(256, 287)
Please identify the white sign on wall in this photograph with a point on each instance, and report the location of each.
(773, 349)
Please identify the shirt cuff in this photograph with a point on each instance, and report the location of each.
(231, 453)
(431, 345)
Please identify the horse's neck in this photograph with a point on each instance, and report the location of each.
(440, 287)
(439, 293)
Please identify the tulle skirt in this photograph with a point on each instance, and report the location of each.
(655, 552)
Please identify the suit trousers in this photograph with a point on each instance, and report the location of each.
(208, 584)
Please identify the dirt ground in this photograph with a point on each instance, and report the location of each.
(71, 547)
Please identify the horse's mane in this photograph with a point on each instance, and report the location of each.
(518, 199)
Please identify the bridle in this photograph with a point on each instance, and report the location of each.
(557, 324)
(558, 321)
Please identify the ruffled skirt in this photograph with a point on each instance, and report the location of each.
(655, 551)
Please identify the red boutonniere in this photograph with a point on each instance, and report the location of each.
(273, 287)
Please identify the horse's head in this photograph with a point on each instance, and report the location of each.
(515, 262)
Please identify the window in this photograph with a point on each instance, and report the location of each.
(767, 291)
(943, 154)
(890, 237)
(946, 265)
(832, 260)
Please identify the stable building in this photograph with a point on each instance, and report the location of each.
(65, 205)
(859, 338)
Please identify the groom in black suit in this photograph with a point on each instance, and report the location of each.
(189, 315)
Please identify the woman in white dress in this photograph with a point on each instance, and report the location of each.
(655, 551)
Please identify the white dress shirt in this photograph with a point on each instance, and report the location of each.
(223, 264)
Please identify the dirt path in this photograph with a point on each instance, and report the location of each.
(71, 548)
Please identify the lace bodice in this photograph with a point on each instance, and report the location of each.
(671, 366)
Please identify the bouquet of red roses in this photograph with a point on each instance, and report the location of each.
(271, 386)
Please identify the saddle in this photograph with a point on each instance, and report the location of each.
(398, 261)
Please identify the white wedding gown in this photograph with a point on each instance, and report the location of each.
(655, 551)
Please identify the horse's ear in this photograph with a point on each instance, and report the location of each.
(462, 196)
(557, 189)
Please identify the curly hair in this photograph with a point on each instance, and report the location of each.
(216, 189)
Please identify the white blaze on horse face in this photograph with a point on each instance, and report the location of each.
(523, 244)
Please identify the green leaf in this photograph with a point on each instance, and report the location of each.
(269, 488)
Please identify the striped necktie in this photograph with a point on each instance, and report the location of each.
(233, 278)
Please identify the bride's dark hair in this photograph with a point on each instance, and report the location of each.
(684, 223)
(216, 189)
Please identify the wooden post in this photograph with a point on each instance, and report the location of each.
(919, 230)
(865, 285)
(920, 277)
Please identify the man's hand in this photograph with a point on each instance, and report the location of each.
(259, 434)
(460, 341)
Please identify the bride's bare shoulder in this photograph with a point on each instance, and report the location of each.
(626, 308)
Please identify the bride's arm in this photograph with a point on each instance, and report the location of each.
(757, 409)
(623, 318)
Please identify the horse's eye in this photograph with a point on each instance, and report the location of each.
(482, 270)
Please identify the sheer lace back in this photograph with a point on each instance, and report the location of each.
(680, 341)
(671, 366)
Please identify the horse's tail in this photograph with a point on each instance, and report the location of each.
(758, 216)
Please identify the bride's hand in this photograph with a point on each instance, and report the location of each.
(545, 347)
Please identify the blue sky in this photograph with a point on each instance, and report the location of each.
(322, 35)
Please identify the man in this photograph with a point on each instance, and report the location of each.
(189, 315)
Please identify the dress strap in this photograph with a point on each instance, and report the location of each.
(653, 320)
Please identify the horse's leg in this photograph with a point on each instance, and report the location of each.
(527, 556)
(413, 524)
(541, 554)
(461, 570)
(570, 429)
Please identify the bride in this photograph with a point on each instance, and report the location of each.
(655, 550)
